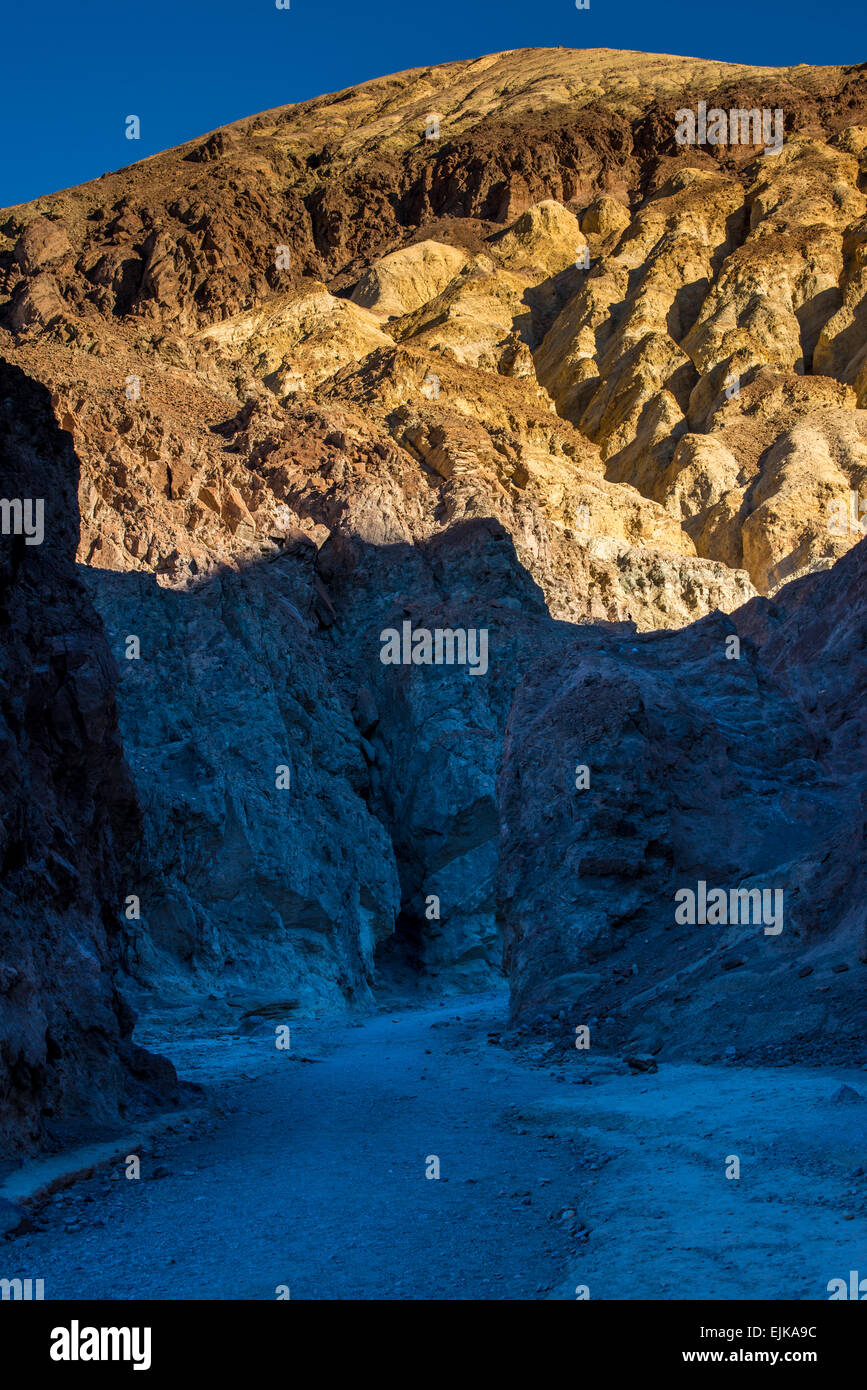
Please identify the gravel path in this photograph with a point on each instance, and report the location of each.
(312, 1175)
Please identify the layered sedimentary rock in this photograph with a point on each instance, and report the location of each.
(69, 815)
(479, 347)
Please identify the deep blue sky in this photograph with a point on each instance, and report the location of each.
(74, 69)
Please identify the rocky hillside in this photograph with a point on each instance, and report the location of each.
(732, 753)
(69, 815)
(480, 347)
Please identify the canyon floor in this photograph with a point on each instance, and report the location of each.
(310, 1173)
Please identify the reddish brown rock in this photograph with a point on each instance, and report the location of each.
(40, 243)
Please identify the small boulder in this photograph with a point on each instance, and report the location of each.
(36, 303)
(13, 1219)
(847, 1095)
(41, 243)
(642, 1064)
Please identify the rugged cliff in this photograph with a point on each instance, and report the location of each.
(480, 348)
(69, 814)
(730, 753)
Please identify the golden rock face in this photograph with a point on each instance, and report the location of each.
(506, 273)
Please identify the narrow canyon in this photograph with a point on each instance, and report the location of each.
(433, 624)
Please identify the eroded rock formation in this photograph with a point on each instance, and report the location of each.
(478, 347)
(69, 814)
(741, 765)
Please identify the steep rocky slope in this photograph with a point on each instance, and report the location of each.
(477, 347)
(730, 753)
(304, 251)
(69, 815)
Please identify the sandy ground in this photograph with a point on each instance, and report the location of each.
(554, 1173)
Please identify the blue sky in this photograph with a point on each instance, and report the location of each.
(73, 71)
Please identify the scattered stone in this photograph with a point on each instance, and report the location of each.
(641, 1064)
(14, 1220)
(847, 1095)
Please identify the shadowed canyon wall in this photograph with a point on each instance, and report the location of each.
(69, 814)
